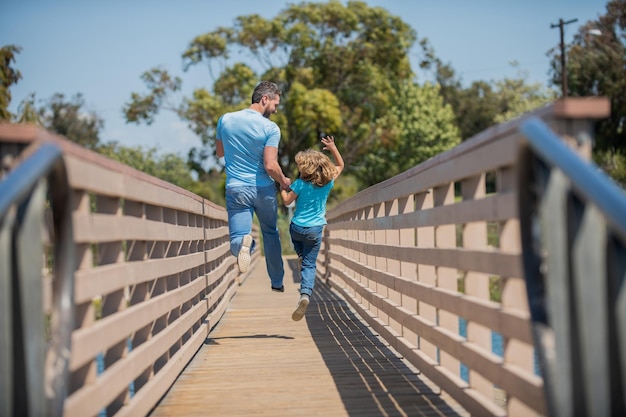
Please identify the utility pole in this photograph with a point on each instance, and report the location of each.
(563, 67)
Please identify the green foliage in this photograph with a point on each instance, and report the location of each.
(69, 119)
(475, 107)
(97, 306)
(596, 66)
(168, 167)
(9, 75)
(345, 186)
(613, 162)
(145, 107)
(336, 64)
(310, 113)
(211, 186)
(484, 104)
(516, 97)
(419, 126)
(27, 112)
(495, 289)
(285, 237)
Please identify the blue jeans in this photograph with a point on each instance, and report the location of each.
(307, 242)
(241, 204)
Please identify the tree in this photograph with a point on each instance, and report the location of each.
(337, 65)
(517, 96)
(27, 111)
(596, 66)
(475, 107)
(8, 76)
(168, 167)
(484, 104)
(69, 119)
(421, 127)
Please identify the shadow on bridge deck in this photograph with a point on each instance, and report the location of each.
(258, 362)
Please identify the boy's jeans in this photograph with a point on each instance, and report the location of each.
(241, 204)
(307, 242)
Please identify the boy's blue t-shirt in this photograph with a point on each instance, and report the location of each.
(245, 134)
(311, 203)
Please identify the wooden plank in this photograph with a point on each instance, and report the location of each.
(486, 260)
(257, 361)
(95, 227)
(496, 207)
(87, 342)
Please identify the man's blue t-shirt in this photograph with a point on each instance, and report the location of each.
(311, 203)
(245, 134)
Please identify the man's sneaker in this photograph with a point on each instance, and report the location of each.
(279, 289)
(303, 303)
(243, 259)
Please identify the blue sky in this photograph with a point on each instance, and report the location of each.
(100, 48)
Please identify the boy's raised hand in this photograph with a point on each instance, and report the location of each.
(329, 142)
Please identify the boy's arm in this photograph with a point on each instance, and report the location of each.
(329, 145)
(288, 196)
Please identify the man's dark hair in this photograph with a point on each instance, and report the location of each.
(265, 88)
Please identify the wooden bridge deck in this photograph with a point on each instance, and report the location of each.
(258, 362)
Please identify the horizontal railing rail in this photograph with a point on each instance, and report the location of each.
(573, 220)
(432, 260)
(153, 274)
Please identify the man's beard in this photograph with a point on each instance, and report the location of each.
(266, 113)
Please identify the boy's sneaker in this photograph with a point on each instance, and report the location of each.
(279, 289)
(303, 303)
(243, 259)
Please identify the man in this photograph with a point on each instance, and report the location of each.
(248, 141)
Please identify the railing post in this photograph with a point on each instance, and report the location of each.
(515, 353)
(426, 274)
(474, 237)
(407, 238)
(447, 278)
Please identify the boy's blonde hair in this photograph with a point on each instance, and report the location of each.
(315, 167)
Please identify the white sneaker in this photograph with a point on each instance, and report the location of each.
(243, 259)
(303, 303)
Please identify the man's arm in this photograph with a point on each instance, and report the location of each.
(273, 168)
(219, 148)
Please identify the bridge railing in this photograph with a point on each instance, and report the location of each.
(25, 388)
(153, 274)
(573, 222)
(432, 260)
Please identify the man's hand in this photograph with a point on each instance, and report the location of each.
(286, 184)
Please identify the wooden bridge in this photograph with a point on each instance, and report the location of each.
(258, 362)
(487, 281)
